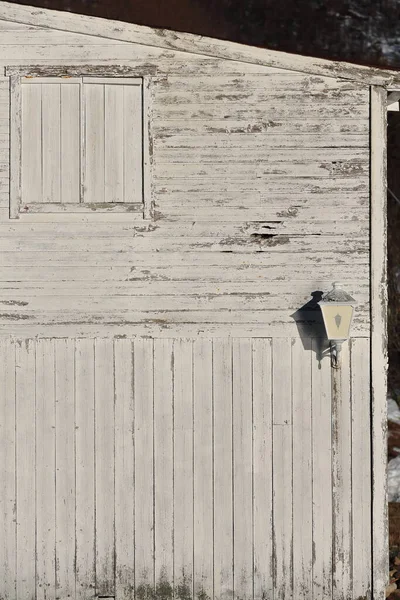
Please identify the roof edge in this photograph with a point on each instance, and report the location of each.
(194, 44)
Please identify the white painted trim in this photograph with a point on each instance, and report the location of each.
(59, 80)
(49, 207)
(379, 342)
(142, 210)
(115, 80)
(71, 71)
(147, 138)
(194, 44)
(15, 146)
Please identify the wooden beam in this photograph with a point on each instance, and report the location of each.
(379, 341)
(195, 44)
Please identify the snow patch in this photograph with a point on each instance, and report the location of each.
(393, 469)
(393, 479)
(393, 411)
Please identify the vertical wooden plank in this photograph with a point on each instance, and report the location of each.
(25, 468)
(70, 143)
(104, 461)
(114, 143)
(65, 466)
(124, 470)
(45, 470)
(262, 469)
(15, 145)
(361, 466)
(203, 469)
(183, 468)
(163, 464)
(31, 156)
(85, 471)
(322, 479)
(133, 143)
(223, 476)
(144, 466)
(282, 468)
(379, 339)
(7, 470)
(93, 152)
(51, 141)
(302, 471)
(341, 478)
(242, 468)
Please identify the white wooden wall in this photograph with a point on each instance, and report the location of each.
(200, 468)
(198, 458)
(238, 151)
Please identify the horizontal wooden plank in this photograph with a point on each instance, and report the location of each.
(50, 207)
(97, 217)
(303, 272)
(149, 61)
(273, 183)
(260, 221)
(227, 259)
(262, 112)
(200, 206)
(267, 95)
(257, 228)
(289, 125)
(263, 289)
(27, 302)
(276, 79)
(23, 329)
(276, 202)
(87, 52)
(149, 243)
(264, 141)
(210, 221)
(264, 155)
(197, 206)
(169, 318)
(356, 168)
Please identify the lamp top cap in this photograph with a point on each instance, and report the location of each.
(338, 295)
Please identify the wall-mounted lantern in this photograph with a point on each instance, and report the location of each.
(337, 308)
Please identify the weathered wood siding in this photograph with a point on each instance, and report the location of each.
(190, 467)
(260, 185)
(166, 412)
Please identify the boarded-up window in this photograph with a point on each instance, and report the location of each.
(81, 145)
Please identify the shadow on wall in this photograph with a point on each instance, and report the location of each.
(310, 326)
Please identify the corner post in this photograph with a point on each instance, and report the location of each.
(379, 515)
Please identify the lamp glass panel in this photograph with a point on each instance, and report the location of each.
(337, 320)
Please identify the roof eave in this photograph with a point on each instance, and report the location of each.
(194, 44)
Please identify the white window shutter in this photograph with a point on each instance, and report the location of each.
(133, 144)
(50, 142)
(70, 178)
(31, 141)
(93, 149)
(113, 142)
(78, 145)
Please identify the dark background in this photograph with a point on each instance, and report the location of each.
(360, 31)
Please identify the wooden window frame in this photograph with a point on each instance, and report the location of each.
(48, 211)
